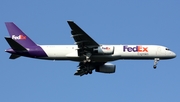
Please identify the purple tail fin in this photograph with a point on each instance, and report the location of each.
(18, 35)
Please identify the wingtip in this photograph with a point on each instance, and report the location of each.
(70, 21)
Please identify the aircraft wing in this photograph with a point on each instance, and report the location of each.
(85, 45)
(82, 39)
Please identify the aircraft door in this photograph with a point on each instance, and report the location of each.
(160, 51)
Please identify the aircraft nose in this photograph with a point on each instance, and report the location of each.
(173, 54)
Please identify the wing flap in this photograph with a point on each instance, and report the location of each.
(79, 72)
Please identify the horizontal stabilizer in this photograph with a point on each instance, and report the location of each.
(13, 56)
(14, 45)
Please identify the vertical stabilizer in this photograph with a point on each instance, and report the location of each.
(17, 35)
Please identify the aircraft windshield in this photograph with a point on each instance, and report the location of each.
(168, 49)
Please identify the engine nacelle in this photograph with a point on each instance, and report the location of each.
(106, 68)
(104, 50)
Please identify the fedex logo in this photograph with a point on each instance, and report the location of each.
(106, 48)
(19, 37)
(135, 49)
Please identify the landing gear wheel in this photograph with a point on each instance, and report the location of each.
(85, 61)
(154, 66)
(90, 72)
(88, 60)
(87, 55)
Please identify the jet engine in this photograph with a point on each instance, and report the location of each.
(106, 68)
(104, 50)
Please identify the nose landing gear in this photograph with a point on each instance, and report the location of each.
(155, 62)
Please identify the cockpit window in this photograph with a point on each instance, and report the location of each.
(168, 49)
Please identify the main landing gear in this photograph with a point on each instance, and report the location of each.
(155, 62)
(87, 55)
(84, 69)
(87, 62)
(88, 68)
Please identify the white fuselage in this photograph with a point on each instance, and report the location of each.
(70, 52)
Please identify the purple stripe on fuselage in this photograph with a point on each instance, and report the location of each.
(36, 51)
(33, 51)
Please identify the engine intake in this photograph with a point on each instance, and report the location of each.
(106, 68)
(104, 50)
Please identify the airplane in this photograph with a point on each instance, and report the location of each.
(90, 54)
